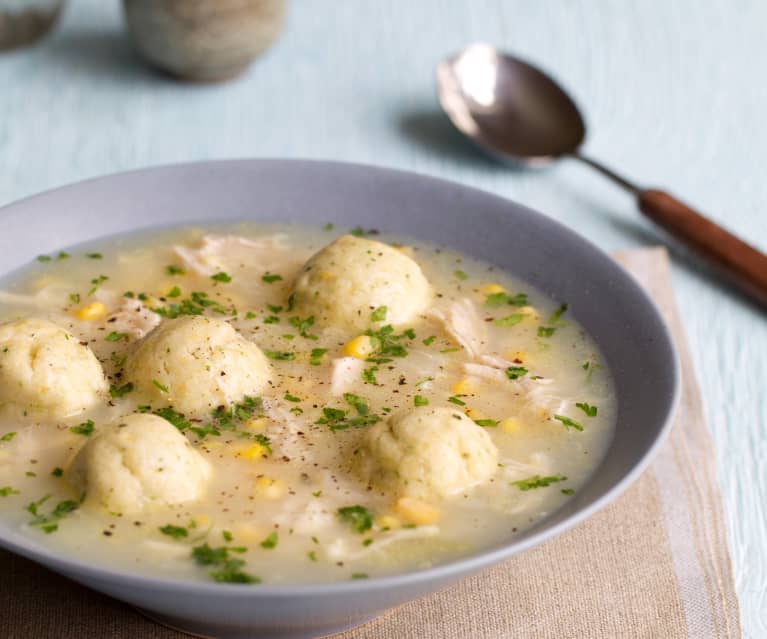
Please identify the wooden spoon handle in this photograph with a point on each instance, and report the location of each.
(742, 264)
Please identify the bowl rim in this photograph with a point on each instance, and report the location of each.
(442, 572)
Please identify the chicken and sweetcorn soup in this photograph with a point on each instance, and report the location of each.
(282, 405)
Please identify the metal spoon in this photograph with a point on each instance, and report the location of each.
(519, 114)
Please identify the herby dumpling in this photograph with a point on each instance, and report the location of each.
(45, 369)
(138, 462)
(429, 452)
(345, 282)
(196, 364)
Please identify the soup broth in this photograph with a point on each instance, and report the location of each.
(297, 490)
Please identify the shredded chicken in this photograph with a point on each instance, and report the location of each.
(345, 549)
(463, 324)
(346, 371)
(305, 517)
(222, 252)
(133, 318)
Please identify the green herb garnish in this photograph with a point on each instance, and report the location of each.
(546, 331)
(420, 400)
(369, 375)
(176, 532)
(226, 569)
(269, 278)
(358, 517)
(303, 325)
(271, 541)
(315, 357)
(97, 282)
(281, 355)
(590, 410)
(569, 423)
(114, 336)
(86, 428)
(221, 277)
(455, 400)
(8, 437)
(379, 314)
(515, 372)
(119, 391)
(557, 315)
(7, 491)
(510, 320)
(501, 298)
(460, 275)
(486, 423)
(172, 269)
(160, 385)
(538, 482)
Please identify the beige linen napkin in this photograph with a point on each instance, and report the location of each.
(653, 564)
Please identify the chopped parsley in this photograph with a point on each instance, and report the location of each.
(291, 398)
(567, 491)
(8, 437)
(160, 385)
(359, 575)
(455, 400)
(44, 258)
(460, 275)
(94, 256)
(536, 481)
(270, 278)
(486, 423)
(387, 344)
(591, 411)
(74, 298)
(173, 269)
(379, 314)
(338, 419)
(315, 357)
(174, 292)
(221, 277)
(271, 541)
(175, 532)
(57, 472)
(328, 227)
(86, 428)
(63, 255)
(227, 535)
(114, 336)
(515, 372)
(312, 555)
(502, 298)
(96, 283)
(546, 331)
(369, 375)
(49, 523)
(510, 320)
(358, 517)
(557, 315)
(274, 309)
(355, 401)
(281, 355)
(420, 400)
(303, 325)
(250, 315)
(194, 305)
(569, 423)
(271, 319)
(119, 391)
(225, 569)
(428, 341)
(357, 231)
(7, 491)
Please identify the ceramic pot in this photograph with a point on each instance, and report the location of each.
(203, 40)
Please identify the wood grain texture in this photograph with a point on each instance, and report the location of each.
(355, 81)
(739, 263)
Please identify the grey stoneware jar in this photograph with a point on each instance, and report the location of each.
(203, 40)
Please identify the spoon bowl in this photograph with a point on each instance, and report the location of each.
(509, 107)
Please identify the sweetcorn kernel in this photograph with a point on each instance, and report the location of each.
(466, 386)
(253, 452)
(360, 347)
(202, 521)
(248, 533)
(531, 312)
(92, 311)
(490, 289)
(417, 512)
(510, 425)
(326, 275)
(255, 425)
(388, 521)
(270, 487)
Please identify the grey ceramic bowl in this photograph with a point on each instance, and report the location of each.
(604, 299)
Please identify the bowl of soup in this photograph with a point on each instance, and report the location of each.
(276, 398)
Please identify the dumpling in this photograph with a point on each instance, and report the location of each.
(139, 462)
(44, 368)
(345, 282)
(429, 452)
(196, 364)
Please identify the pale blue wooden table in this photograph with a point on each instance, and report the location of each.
(675, 93)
